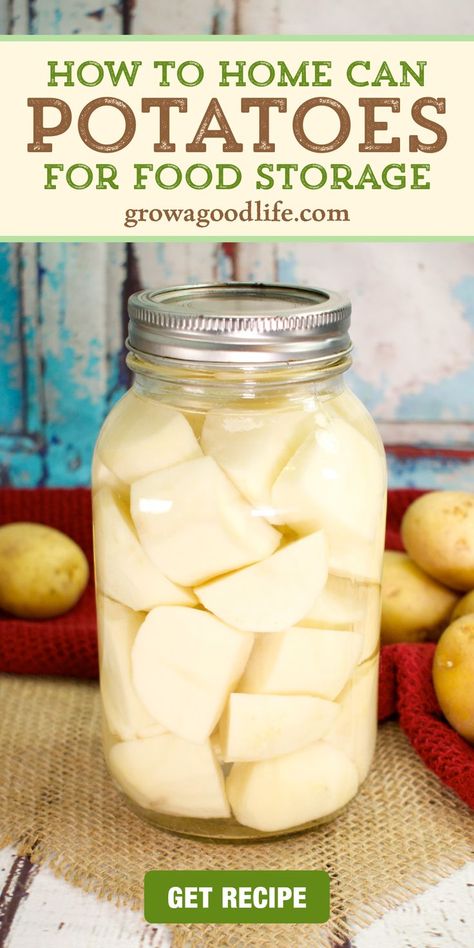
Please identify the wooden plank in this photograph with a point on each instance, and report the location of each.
(63, 414)
(168, 264)
(22, 449)
(75, 16)
(251, 17)
(182, 16)
(17, 877)
(46, 911)
(162, 264)
(15, 16)
(434, 434)
(11, 402)
(4, 17)
(53, 914)
(412, 322)
(257, 262)
(442, 917)
(383, 17)
(73, 338)
(430, 473)
(115, 323)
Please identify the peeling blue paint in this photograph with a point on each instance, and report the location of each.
(11, 398)
(464, 291)
(371, 395)
(287, 268)
(75, 414)
(450, 399)
(430, 473)
(446, 400)
(20, 468)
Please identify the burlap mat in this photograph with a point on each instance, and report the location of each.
(403, 832)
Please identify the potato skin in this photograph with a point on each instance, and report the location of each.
(438, 533)
(464, 607)
(42, 571)
(453, 675)
(415, 608)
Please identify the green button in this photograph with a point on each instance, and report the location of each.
(255, 897)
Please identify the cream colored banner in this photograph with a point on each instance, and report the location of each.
(272, 138)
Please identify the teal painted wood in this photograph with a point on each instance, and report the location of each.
(12, 381)
(61, 315)
(434, 473)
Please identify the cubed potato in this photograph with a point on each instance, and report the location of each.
(124, 571)
(185, 663)
(354, 731)
(350, 556)
(336, 481)
(102, 476)
(194, 525)
(338, 603)
(274, 594)
(255, 727)
(126, 716)
(349, 407)
(290, 791)
(344, 602)
(302, 661)
(142, 435)
(252, 447)
(171, 776)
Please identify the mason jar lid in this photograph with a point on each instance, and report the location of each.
(240, 323)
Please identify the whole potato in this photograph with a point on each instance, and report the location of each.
(438, 533)
(465, 606)
(453, 675)
(414, 606)
(42, 571)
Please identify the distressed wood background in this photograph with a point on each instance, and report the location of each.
(63, 306)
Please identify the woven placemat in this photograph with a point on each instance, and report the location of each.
(402, 833)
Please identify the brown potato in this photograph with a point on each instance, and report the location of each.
(464, 607)
(42, 571)
(414, 606)
(453, 675)
(438, 533)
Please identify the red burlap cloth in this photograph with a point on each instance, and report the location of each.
(67, 646)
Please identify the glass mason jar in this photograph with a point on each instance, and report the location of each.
(239, 494)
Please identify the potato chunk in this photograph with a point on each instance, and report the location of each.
(185, 663)
(354, 731)
(142, 435)
(171, 776)
(255, 727)
(126, 716)
(335, 481)
(194, 525)
(302, 661)
(289, 791)
(124, 571)
(344, 602)
(273, 594)
(252, 447)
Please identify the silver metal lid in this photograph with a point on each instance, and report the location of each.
(240, 323)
